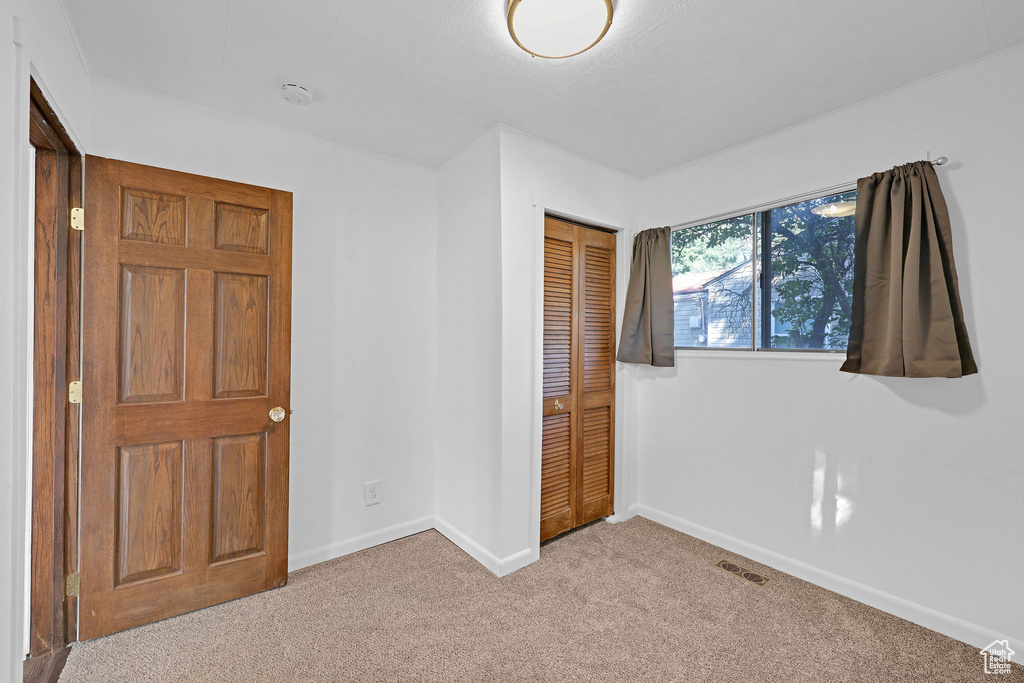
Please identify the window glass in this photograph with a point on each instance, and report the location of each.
(712, 284)
(795, 261)
(810, 287)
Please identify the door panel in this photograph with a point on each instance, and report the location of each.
(599, 319)
(152, 334)
(239, 498)
(240, 324)
(153, 217)
(558, 476)
(556, 469)
(149, 506)
(242, 228)
(598, 381)
(596, 453)
(579, 377)
(187, 349)
(558, 322)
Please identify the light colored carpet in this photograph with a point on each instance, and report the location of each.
(634, 601)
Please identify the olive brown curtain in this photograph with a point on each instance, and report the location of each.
(907, 320)
(648, 334)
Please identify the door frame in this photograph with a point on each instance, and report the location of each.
(625, 378)
(581, 238)
(56, 360)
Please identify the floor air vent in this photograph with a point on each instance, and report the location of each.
(751, 576)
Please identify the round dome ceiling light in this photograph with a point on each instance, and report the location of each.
(555, 29)
(296, 94)
(836, 209)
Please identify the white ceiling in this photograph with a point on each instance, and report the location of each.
(673, 81)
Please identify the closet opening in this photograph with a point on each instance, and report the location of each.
(578, 416)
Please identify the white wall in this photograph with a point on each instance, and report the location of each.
(468, 476)
(363, 308)
(12, 354)
(538, 177)
(730, 444)
(34, 40)
(492, 199)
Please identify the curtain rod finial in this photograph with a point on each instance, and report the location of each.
(941, 161)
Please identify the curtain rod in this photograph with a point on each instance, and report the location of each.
(835, 189)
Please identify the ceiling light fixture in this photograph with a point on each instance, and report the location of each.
(555, 29)
(836, 209)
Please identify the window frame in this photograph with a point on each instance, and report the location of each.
(758, 213)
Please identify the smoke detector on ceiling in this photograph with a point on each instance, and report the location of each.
(296, 94)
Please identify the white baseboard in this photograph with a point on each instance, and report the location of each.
(518, 561)
(941, 622)
(352, 545)
(469, 546)
(497, 566)
(630, 513)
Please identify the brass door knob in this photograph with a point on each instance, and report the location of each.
(277, 414)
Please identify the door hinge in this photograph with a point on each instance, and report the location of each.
(71, 584)
(75, 392)
(77, 218)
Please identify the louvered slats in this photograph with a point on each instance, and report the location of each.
(599, 327)
(577, 455)
(558, 285)
(596, 453)
(554, 493)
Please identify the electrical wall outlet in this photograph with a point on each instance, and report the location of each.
(371, 492)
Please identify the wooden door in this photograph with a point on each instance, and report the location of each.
(187, 313)
(578, 435)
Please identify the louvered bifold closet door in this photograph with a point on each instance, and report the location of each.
(596, 419)
(559, 438)
(579, 380)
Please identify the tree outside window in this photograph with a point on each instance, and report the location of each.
(802, 265)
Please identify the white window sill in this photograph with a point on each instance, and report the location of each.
(835, 357)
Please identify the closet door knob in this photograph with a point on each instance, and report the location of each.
(277, 414)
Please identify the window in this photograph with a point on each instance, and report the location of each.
(780, 278)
